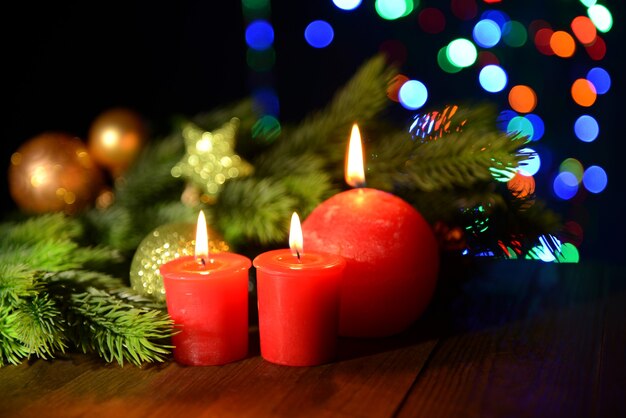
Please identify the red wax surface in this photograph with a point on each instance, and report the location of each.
(392, 259)
(209, 305)
(298, 306)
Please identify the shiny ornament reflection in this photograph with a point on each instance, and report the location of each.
(53, 172)
(116, 138)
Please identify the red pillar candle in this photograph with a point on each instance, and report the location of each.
(298, 300)
(207, 298)
(391, 253)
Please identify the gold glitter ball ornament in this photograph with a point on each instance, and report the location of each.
(116, 137)
(164, 244)
(53, 172)
(210, 159)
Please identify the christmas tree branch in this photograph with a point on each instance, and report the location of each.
(47, 303)
(325, 133)
(107, 324)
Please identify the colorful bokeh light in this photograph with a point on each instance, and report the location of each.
(520, 125)
(586, 128)
(563, 44)
(394, 86)
(393, 9)
(600, 79)
(531, 165)
(347, 4)
(538, 126)
(319, 34)
(584, 30)
(565, 185)
(486, 33)
(542, 41)
(462, 52)
(259, 35)
(521, 186)
(444, 63)
(595, 179)
(497, 16)
(601, 17)
(514, 34)
(596, 50)
(583, 92)
(492, 78)
(522, 98)
(413, 94)
(573, 166)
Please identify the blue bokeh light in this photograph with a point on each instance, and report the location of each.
(595, 179)
(492, 78)
(600, 79)
(565, 185)
(538, 126)
(497, 16)
(347, 4)
(586, 128)
(259, 35)
(319, 34)
(413, 94)
(486, 33)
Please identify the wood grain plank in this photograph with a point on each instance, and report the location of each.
(369, 379)
(527, 346)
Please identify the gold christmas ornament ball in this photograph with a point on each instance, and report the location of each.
(164, 244)
(116, 137)
(53, 172)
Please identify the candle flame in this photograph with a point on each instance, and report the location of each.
(295, 236)
(355, 175)
(202, 240)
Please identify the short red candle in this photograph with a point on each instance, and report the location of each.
(298, 301)
(208, 303)
(392, 259)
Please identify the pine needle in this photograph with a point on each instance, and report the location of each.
(116, 330)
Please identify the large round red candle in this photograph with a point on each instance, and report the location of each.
(298, 301)
(208, 302)
(391, 253)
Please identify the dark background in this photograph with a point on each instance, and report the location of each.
(65, 62)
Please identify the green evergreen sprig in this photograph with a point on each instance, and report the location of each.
(47, 305)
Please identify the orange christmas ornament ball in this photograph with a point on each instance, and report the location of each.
(116, 138)
(53, 172)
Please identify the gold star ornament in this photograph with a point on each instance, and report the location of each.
(210, 158)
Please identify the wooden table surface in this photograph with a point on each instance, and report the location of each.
(500, 339)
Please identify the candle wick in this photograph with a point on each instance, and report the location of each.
(202, 261)
(298, 255)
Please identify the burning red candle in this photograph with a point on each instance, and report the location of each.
(391, 253)
(298, 299)
(207, 298)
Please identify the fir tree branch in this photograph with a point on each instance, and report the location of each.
(12, 351)
(16, 281)
(256, 210)
(461, 160)
(39, 326)
(108, 318)
(326, 132)
(51, 226)
(118, 331)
